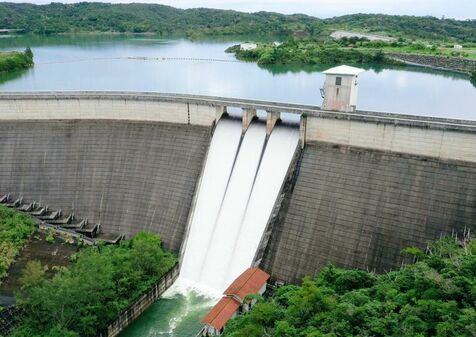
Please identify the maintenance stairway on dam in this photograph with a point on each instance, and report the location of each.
(55, 220)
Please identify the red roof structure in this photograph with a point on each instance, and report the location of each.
(221, 313)
(250, 282)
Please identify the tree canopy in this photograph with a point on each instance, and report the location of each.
(435, 296)
(139, 18)
(14, 60)
(84, 298)
(15, 230)
(309, 52)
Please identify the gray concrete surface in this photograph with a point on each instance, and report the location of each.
(358, 208)
(129, 176)
(367, 185)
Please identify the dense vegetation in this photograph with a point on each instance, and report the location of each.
(308, 52)
(85, 298)
(358, 51)
(473, 76)
(420, 28)
(405, 46)
(139, 18)
(15, 229)
(11, 61)
(436, 296)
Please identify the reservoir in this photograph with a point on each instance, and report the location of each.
(177, 65)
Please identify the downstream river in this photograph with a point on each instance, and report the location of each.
(148, 63)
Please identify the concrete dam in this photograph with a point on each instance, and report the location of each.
(357, 186)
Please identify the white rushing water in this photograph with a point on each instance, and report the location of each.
(232, 212)
(272, 172)
(240, 184)
(220, 159)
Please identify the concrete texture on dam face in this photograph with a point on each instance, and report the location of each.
(129, 176)
(367, 184)
(358, 208)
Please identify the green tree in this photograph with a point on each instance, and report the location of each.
(29, 53)
(435, 296)
(15, 229)
(472, 77)
(101, 282)
(33, 274)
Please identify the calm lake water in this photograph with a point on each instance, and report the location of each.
(89, 62)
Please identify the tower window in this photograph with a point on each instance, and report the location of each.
(338, 80)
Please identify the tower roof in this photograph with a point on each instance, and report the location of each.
(343, 70)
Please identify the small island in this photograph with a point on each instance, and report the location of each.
(360, 50)
(306, 52)
(14, 60)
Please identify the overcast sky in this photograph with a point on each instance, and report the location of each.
(461, 9)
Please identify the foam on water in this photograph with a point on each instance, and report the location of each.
(175, 314)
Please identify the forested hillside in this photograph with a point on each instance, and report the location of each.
(160, 19)
(435, 297)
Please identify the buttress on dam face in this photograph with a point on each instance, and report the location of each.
(230, 191)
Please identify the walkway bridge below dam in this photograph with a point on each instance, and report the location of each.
(363, 185)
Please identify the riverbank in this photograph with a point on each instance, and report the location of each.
(14, 60)
(459, 64)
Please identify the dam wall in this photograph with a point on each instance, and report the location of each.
(437, 139)
(365, 189)
(129, 176)
(366, 184)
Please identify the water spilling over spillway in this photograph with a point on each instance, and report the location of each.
(241, 181)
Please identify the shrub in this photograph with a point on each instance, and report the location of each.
(416, 300)
(12, 61)
(15, 229)
(101, 282)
